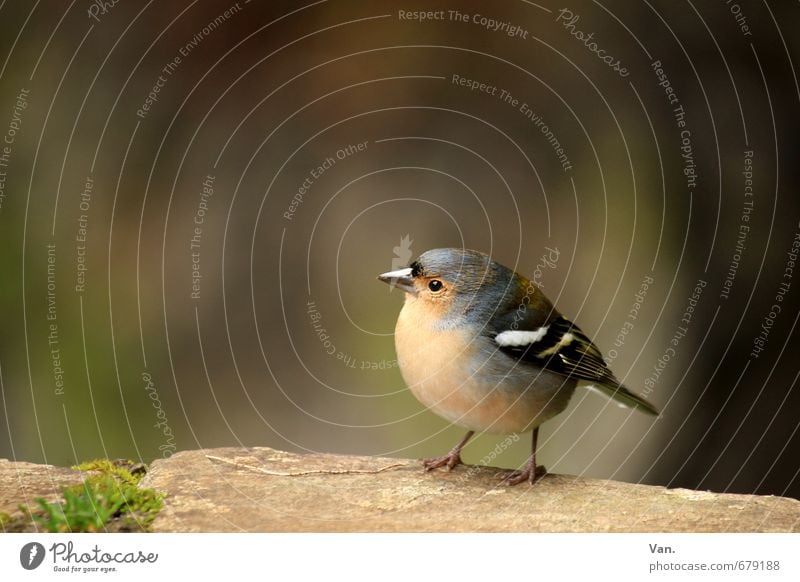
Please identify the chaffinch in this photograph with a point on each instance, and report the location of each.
(481, 346)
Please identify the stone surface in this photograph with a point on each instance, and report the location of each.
(22, 483)
(261, 489)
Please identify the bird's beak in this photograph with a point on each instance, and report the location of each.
(401, 278)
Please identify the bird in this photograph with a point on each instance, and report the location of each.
(481, 346)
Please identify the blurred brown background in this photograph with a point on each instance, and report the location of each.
(286, 337)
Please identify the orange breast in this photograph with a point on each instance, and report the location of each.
(462, 378)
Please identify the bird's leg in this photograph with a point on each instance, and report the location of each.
(451, 459)
(531, 472)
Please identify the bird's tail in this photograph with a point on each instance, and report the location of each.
(625, 397)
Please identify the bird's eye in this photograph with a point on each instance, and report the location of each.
(435, 285)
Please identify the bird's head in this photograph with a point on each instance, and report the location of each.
(454, 283)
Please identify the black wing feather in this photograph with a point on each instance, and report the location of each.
(578, 357)
(566, 350)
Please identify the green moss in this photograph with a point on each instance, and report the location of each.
(109, 499)
(124, 470)
(15, 523)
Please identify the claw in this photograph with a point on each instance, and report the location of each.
(449, 460)
(532, 472)
(512, 478)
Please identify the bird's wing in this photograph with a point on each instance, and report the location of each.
(560, 346)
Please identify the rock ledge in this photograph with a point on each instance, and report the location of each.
(266, 490)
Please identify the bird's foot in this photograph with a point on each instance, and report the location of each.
(527, 474)
(449, 460)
